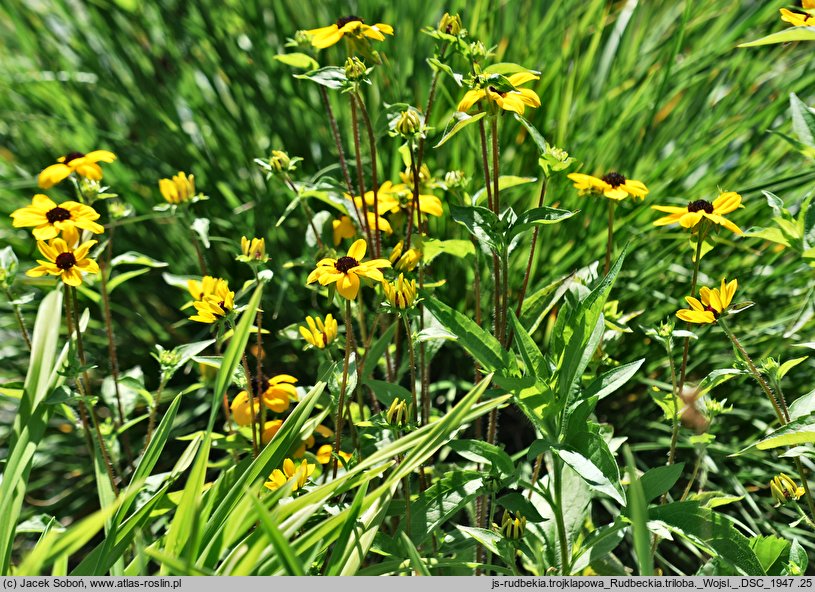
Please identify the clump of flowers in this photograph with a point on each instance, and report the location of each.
(215, 302)
(401, 293)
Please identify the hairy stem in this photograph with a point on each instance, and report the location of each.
(338, 422)
(374, 175)
(610, 236)
(20, 321)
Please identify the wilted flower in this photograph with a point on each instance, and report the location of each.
(355, 69)
(215, 305)
(450, 24)
(784, 489)
(408, 124)
(455, 179)
(253, 251)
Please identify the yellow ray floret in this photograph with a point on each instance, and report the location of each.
(353, 26)
(84, 165)
(699, 210)
(712, 303)
(613, 186)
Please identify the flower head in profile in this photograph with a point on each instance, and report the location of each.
(699, 210)
(270, 429)
(324, 454)
(784, 489)
(253, 250)
(513, 526)
(319, 333)
(405, 260)
(69, 263)
(342, 229)
(299, 474)
(207, 286)
(84, 165)
(179, 189)
(613, 186)
(347, 271)
(242, 410)
(401, 293)
(353, 26)
(214, 305)
(710, 306)
(393, 198)
(503, 92)
(49, 219)
(799, 18)
(277, 392)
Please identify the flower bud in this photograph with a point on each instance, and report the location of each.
(450, 24)
(784, 489)
(409, 123)
(253, 251)
(455, 179)
(513, 527)
(355, 69)
(397, 414)
(401, 293)
(280, 162)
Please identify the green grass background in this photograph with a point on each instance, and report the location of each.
(655, 90)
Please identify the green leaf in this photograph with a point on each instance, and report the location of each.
(476, 341)
(769, 550)
(639, 514)
(330, 77)
(589, 472)
(799, 431)
(541, 303)
(533, 359)
(281, 546)
(136, 258)
(483, 452)
(415, 559)
(610, 380)
(803, 405)
(432, 248)
(487, 538)
(536, 136)
(462, 120)
(507, 68)
(504, 182)
(340, 554)
(443, 500)
(785, 36)
(482, 223)
(803, 120)
(543, 215)
(517, 502)
(659, 480)
(297, 60)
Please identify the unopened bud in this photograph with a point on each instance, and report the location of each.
(409, 123)
(397, 414)
(355, 69)
(450, 24)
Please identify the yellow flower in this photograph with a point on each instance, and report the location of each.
(319, 333)
(405, 261)
(352, 26)
(397, 414)
(179, 189)
(394, 198)
(699, 209)
(270, 429)
(64, 261)
(613, 186)
(713, 303)
(208, 285)
(215, 305)
(49, 219)
(513, 527)
(84, 165)
(343, 228)
(300, 474)
(324, 454)
(278, 392)
(253, 250)
(798, 19)
(347, 270)
(242, 411)
(784, 489)
(401, 293)
(510, 100)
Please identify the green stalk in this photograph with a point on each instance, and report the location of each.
(610, 237)
(414, 401)
(20, 321)
(349, 331)
(561, 525)
(686, 348)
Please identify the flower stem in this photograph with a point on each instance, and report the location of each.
(20, 321)
(335, 133)
(250, 392)
(151, 424)
(409, 338)
(306, 210)
(675, 423)
(610, 238)
(360, 176)
(686, 347)
(112, 356)
(374, 176)
(561, 526)
(86, 392)
(349, 331)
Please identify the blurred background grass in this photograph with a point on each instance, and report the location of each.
(655, 90)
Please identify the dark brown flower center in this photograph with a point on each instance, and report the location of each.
(65, 260)
(57, 214)
(343, 264)
(342, 21)
(700, 205)
(614, 179)
(260, 384)
(72, 156)
(715, 312)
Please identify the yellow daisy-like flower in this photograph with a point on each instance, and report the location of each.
(84, 165)
(278, 392)
(319, 333)
(208, 285)
(512, 100)
(179, 189)
(798, 19)
(613, 186)
(242, 411)
(49, 219)
(299, 473)
(401, 293)
(713, 303)
(353, 26)
(270, 429)
(697, 210)
(214, 305)
(64, 261)
(324, 454)
(347, 270)
(393, 198)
